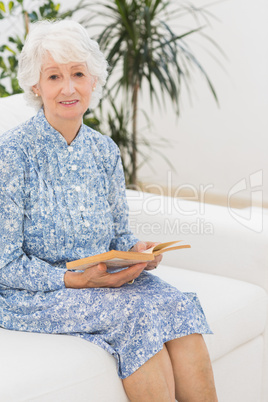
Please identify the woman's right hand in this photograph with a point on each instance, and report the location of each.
(98, 277)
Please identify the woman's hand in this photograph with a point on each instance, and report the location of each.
(98, 277)
(142, 246)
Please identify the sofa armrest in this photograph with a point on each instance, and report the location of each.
(223, 241)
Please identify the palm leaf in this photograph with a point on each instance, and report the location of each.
(141, 47)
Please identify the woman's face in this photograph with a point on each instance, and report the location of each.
(65, 90)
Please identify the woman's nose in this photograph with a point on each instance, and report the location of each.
(68, 87)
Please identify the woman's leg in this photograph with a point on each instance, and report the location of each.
(194, 381)
(153, 381)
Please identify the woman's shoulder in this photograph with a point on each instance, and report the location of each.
(14, 141)
(16, 135)
(105, 151)
(99, 139)
(101, 144)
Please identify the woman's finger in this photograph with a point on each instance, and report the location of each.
(98, 276)
(153, 264)
(127, 275)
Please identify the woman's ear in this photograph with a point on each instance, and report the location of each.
(94, 83)
(35, 90)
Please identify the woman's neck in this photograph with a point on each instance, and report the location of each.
(67, 128)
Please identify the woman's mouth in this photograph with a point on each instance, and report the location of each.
(68, 103)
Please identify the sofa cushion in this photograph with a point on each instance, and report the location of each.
(236, 311)
(44, 367)
(12, 113)
(220, 244)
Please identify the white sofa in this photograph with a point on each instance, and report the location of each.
(227, 266)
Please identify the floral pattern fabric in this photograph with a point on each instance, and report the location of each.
(61, 202)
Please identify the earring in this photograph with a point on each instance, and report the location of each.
(36, 95)
(93, 89)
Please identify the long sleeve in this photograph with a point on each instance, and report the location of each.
(18, 270)
(123, 237)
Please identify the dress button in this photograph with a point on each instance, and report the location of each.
(77, 188)
(87, 224)
(70, 148)
(74, 167)
(82, 208)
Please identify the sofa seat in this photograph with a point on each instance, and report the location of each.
(56, 368)
(238, 314)
(66, 368)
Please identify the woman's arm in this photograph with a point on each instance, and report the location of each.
(123, 238)
(18, 270)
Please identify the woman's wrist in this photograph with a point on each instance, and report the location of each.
(73, 280)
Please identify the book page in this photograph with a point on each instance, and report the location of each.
(112, 263)
(161, 246)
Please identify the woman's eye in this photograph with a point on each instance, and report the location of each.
(53, 77)
(79, 74)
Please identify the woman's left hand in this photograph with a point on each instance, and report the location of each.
(144, 245)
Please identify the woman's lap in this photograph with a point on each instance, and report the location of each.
(131, 322)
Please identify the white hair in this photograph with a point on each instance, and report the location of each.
(66, 41)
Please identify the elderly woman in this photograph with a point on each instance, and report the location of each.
(62, 197)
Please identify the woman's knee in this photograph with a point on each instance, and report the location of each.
(153, 381)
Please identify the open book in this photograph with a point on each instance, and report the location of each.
(121, 259)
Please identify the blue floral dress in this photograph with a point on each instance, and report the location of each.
(61, 202)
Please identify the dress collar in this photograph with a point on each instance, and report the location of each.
(51, 136)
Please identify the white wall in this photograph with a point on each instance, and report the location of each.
(220, 147)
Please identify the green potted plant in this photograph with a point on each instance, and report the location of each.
(144, 52)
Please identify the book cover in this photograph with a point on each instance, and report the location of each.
(122, 259)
